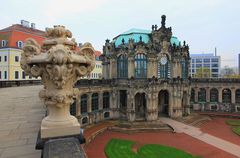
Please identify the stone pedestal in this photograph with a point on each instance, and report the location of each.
(59, 64)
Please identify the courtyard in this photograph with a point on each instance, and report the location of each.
(22, 111)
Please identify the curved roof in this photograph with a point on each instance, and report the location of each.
(135, 34)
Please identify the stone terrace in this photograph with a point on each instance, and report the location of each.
(21, 112)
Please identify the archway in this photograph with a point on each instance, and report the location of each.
(226, 95)
(163, 102)
(140, 105)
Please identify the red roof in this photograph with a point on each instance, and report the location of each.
(97, 53)
(17, 32)
(18, 27)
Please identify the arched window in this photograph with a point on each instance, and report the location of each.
(164, 68)
(94, 101)
(140, 66)
(122, 66)
(226, 96)
(73, 108)
(202, 95)
(106, 114)
(106, 100)
(237, 96)
(184, 68)
(213, 95)
(19, 44)
(84, 120)
(192, 99)
(84, 103)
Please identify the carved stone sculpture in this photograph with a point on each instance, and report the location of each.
(59, 64)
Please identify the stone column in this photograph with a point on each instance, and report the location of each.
(131, 67)
(89, 102)
(100, 103)
(105, 70)
(233, 96)
(220, 95)
(196, 95)
(171, 104)
(150, 68)
(100, 100)
(155, 68)
(113, 68)
(207, 94)
(78, 104)
(130, 107)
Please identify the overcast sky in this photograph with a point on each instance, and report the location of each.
(204, 24)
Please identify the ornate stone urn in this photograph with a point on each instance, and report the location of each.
(59, 64)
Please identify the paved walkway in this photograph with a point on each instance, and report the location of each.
(207, 138)
(21, 112)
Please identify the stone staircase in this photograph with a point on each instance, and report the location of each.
(195, 120)
(140, 126)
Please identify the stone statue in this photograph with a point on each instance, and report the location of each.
(59, 65)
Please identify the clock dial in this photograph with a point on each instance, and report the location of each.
(163, 60)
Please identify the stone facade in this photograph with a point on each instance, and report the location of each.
(123, 94)
(215, 95)
(146, 80)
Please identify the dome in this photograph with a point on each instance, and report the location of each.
(135, 35)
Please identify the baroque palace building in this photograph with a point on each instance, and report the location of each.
(145, 75)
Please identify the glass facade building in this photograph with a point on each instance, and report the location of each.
(205, 61)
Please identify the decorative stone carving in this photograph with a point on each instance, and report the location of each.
(59, 64)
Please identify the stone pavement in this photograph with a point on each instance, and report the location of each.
(207, 138)
(21, 112)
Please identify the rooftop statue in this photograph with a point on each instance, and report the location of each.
(59, 64)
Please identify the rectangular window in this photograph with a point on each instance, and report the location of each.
(0, 74)
(214, 70)
(198, 65)
(0, 58)
(206, 60)
(5, 74)
(5, 58)
(23, 75)
(206, 65)
(198, 60)
(214, 65)
(16, 74)
(16, 58)
(214, 60)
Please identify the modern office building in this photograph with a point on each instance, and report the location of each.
(202, 62)
(11, 43)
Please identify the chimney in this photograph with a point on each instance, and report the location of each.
(33, 25)
(24, 23)
(215, 51)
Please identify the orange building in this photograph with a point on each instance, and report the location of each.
(11, 43)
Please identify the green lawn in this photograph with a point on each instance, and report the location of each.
(236, 130)
(117, 148)
(233, 122)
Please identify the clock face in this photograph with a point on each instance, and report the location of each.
(163, 60)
